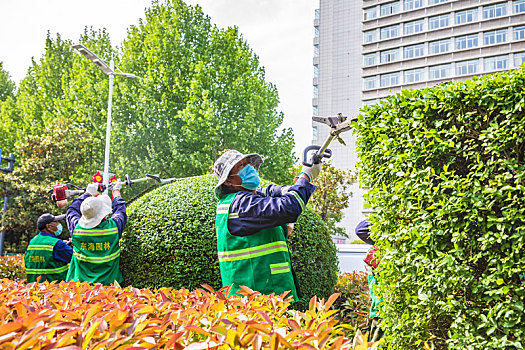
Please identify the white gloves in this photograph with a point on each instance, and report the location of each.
(117, 185)
(312, 172)
(92, 189)
(284, 189)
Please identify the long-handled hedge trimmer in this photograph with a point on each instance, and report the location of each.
(60, 193)
(338, 125)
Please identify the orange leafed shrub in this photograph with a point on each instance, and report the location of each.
(12, 267)
(83, 316)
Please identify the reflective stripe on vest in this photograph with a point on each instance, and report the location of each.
(48, 271)
(223, 209)
(253, 252)
(279, 268)
(40, 247)
(107, 232)
(97, 260)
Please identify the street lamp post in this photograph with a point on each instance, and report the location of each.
(110, 71)
(11, 161)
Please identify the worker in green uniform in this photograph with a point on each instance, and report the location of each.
(362, 231)
(47, 256)
(252, 224)
(96, 223)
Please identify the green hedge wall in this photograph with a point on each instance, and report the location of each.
(445, 167)
(170, 240)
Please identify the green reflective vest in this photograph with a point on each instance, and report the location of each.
(374, 306)
(39, 260)
(260, 261)
(96, 254)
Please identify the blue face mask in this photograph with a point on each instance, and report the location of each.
(250, 178)
(59, 230)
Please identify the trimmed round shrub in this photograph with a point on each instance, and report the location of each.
(170, 241)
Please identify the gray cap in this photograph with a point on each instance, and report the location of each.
(227, 161)
(47, 218)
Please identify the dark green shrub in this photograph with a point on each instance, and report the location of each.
(170, 241)
(446, 172)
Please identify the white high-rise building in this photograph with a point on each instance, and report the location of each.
(365, 50)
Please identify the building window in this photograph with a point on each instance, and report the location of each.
(315, 110)
(437, 22)
(413, 27)
(370, 13)
(519, 58)
(316, 32)
(316, 70)
(438, 46)
(370, 36)
(497, 10)
(316, 91)
(433, 2)
(519, 6)
(439, 72)
(389, 79)
(496, 63)
(466, 41)
(495, 37)
(370, 83)
(414, 75)
(370, 59)
(390, 55)
(390, 8)
(414, 51)
(519, 33)
(316, 13)
(315, 132)
(390, 32)
(467, 67)
(412, 4)
(316, 50)
(371, 102)
(466, 16)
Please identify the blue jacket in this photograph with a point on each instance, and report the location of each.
(61, 251)
(267, 208)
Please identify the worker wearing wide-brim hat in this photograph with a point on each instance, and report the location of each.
(96, 223)
(47, 256)
(252, 230)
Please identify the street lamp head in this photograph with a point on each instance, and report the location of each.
(94, 58)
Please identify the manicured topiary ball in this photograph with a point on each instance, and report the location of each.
(170, 241)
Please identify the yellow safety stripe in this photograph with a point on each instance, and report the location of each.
(279, 268)
(40, 247)
(107, 232)
(253, 252)
(47, 271)
(223, 209)
(299, 199)
(97, 260)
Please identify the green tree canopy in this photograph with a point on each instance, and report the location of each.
(7, 86)
(202, 91)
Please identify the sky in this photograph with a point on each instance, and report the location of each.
(279, 31)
